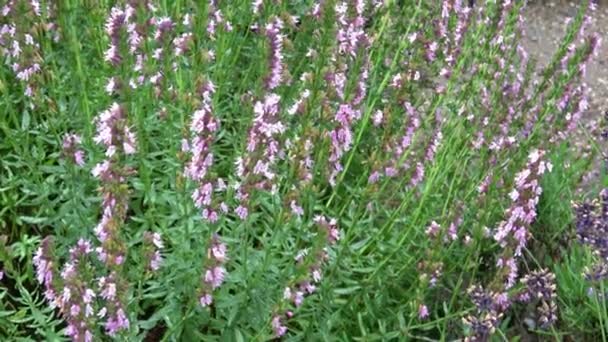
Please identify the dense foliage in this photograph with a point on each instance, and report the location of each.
(308, 170)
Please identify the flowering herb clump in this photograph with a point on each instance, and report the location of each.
(307, 170)
(591, 230)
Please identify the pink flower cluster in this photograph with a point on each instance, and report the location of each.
(203, 127)
(216, 18)
(399, 162)
(154, 245)
(117, 19)
(275, 39)
(215, 273)
(72, 150)
(263, 149)
(350, 35)
(158, 32)
(46, 269)
(72, 294)
(76, 300)
(351, 41)
(114, 309)
(341, 137)
(18, 42)
(513, 233)
(114, 134)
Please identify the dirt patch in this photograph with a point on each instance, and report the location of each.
(545, 28)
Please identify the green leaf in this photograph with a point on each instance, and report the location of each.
(25, 120)
(238, 336)
(33, 220)
(347, 290)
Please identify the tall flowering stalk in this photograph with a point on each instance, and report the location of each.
(513, 233)
(20, 22)
(275, 63)
(203, 128)
(113, 132)
(66, 290)
(77, 299)
(351, 42)
(114, 23)
(257, 169)
(73, 292)
(214, 271)
(115, 135)
(591, 230)
(121, 25)
(215, 19)
(309, 273)
(46, 269)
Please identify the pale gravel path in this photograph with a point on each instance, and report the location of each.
(545, 28)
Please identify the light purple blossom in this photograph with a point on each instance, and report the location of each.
(163, 27)
(206, 300)
(117, 322)
(215, 273)
(423, 311)
(296, 209)
(44, 265)
(278, 327)
(71, 149)
(377, 118)
(113, 131)
(215, 276)
(512, 233)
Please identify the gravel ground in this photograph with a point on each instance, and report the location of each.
(545, 28)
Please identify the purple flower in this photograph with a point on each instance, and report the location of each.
(71, 149)
(182, 43)
(117, 323)
(263, 150)
(215, 276)
(423, 311)
(218, 250)
(45, 268)
(377, 118)
(163, 27)
(275, 39)
(298, 298)
(296, 209)
(202, 127)
(241, 212)
(278, 327)
(113, 132)
(206, 300)
(523, 210)
(433, 229)
(156, 261)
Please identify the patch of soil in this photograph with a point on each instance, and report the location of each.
(546, 24)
